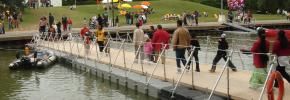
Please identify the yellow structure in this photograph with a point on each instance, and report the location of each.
(26, 51)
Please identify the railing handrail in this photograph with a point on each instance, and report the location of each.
(269, 73)
(186, 64)
(217, 81)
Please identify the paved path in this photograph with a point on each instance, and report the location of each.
(239, 81)
(14, 35)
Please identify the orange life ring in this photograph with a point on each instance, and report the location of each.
(275, 75)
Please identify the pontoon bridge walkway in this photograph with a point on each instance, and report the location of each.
(122, 57)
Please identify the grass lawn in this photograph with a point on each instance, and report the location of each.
(161, 7)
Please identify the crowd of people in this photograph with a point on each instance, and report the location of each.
(151, 47)
(101, 19)
(12, 19)
(56, 28)
(281, 48)
(140, 18)
(240, 16)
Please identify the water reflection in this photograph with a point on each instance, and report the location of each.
(57, 83)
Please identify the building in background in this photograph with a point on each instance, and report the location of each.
(44, 3)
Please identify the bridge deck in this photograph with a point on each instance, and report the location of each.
(239, 81)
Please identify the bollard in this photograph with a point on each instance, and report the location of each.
(110, 79)
(117, 82)
(103, 77)
(126, 84)
(136, 88)
(147, 91)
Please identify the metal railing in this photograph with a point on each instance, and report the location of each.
(129, 69)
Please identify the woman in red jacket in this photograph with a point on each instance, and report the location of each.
(282, 49)
(259, 50)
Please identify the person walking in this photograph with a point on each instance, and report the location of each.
(222, 53)
(181, 41)
(87, 42)
(69, 23)
(58, 29)
(196, 14)
(148, 48)
(100, 19)
(127, 16)
(282, 49)
(138, 39)
(64, 23)
(230, 16)
(42, 24)
(260, 59)
(50, 19)
(117, 21)
(1, 28)
(194, 44)
(100, 36)
(150, 35)
(84, 30)
(159, 40)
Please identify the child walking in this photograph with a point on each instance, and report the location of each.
(148, 48)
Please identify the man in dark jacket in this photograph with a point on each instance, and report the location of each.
(222, 53)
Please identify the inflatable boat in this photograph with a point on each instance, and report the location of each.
(38, 59)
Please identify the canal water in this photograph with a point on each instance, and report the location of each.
(58, 82)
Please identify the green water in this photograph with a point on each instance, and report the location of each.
(57, 83)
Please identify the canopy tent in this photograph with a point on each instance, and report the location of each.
(125, 6)
(109, 1)
(146, 3)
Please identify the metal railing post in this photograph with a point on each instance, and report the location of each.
(234, 46)
(192, 71)
(207, 47)
(136, 54)
(179, 78)
(97, 52)
(158, 60)
(220, 76)
(120, 48)
(164, 67)
(124, 57)
(269, 73)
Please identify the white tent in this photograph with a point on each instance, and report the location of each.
(54, 3)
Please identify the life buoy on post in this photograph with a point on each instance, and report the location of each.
(275, 75)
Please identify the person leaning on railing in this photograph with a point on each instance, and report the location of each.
(260, 59)
(222, 53)
(181, 41)
(282, 49)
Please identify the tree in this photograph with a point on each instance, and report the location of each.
(14, 4)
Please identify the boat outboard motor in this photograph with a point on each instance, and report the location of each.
(26, 61)
(18, 54)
